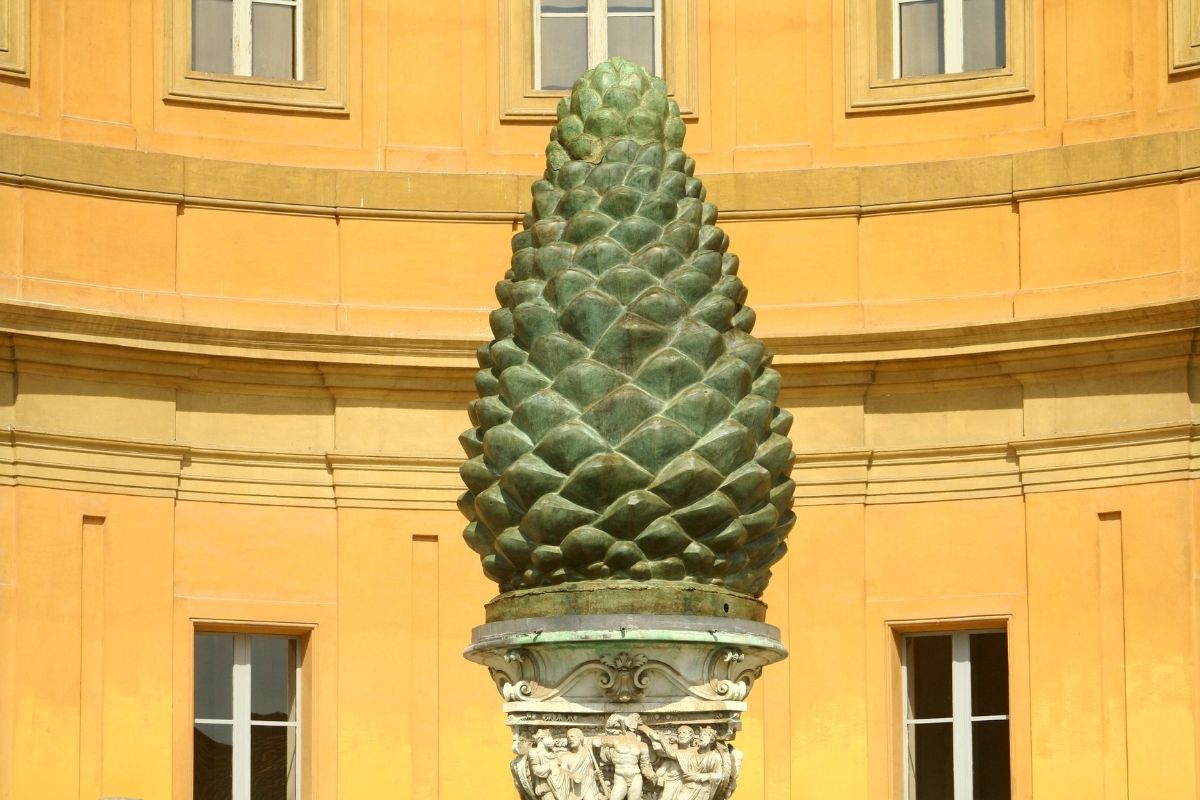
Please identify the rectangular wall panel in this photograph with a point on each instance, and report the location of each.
(375, 656)
(97, 63)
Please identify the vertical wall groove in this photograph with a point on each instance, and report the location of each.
(1110, 547)
(426, 609)
(8, 638)
(91, 656)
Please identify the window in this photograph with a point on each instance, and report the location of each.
(14, 38)
(547, 44)
(571, 36)
(262, 38)
(903, 52)
(289, 53)
(955, 715)
(945, 37)
(247, 725)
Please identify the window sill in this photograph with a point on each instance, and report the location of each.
(248, 92)
(939, 90)
(542, 106)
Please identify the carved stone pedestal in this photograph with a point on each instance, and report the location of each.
(625, 707)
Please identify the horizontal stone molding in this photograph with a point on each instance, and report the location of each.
(347, 362)
(350, 480)
(100, 402)
(339, 354)
(1114, 458)
(819, 192)
(153, 469)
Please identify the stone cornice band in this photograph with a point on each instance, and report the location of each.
(821, 192)
(1162, 340)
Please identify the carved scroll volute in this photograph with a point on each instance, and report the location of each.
(730, 677)
(519, 676)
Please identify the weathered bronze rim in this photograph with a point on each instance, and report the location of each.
(624, 597)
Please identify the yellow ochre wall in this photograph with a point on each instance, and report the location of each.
(236, 347)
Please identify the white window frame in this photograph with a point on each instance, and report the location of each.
(243, 36)
(961, 719)
(597, 26)
(953, 37)
(242, 723)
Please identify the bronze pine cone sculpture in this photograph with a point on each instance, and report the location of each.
(626, 426)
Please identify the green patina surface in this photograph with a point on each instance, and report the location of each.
(626, 427)
(616, 596)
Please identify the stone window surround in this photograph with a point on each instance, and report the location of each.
(520, 101)
(900, 619)
(1183, 45)
(14, 38)
(324, 91)
(869, 45)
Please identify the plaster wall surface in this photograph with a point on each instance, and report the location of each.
(420, 78)
(97, 617)
(236, 346)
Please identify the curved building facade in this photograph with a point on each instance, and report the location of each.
(238, 316)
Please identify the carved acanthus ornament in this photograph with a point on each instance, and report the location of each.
(623, 677)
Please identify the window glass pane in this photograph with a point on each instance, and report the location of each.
(929, 676)
(564, 6)
(633, 38)
(983, 34)
(214, 676)
(273, 40)
(989, 743)
(272, 678)
(620, 6)
(212, 762)
(931, 761)
(212, 36)
(921, 38)
(564, 51)
(272, 762)
(989, 674)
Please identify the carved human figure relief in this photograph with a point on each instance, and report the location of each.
(626, 760)
(580, 769)
(702, 769)
(547, 772)
(623, 748)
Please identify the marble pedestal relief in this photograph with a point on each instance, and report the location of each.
(628, 472)
(625, 706)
